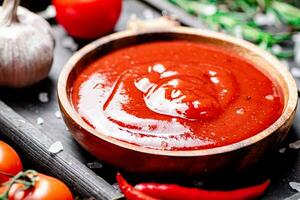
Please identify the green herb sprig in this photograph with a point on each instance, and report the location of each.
(236, 18)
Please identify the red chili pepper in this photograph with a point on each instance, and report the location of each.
(130, 192)
(176, 192)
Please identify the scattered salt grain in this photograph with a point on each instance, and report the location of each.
(58, 114)
(22, 121)
(282, 150)
(43, 97)
(70, 44)
(295, 186)
(148, 14)
(94, 165)
(40, 121)
(295, 145)
(56, 147)
(295, 72)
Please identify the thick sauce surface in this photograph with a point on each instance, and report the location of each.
(176, 95)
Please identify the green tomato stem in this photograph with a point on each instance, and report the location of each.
(27, 179)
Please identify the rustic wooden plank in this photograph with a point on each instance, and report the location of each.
(35, 145)
(294, 197)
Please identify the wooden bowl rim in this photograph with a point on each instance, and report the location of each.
(71, 113)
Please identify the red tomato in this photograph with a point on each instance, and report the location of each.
(87, 19)
(10, 162)
(45, 188)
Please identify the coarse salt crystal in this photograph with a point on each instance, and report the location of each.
(282, 150)
(94, 165)
(295, 145)
(40, 121)
(148, 14)
(58, 114)
(43, 97)
(56, 147)
(295, 186)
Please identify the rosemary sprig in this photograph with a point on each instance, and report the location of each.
(235, 17)
(287, 13)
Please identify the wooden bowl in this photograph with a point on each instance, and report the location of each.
(132, 158)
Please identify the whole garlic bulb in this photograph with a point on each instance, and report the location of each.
(26, 46)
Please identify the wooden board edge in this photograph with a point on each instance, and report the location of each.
(35, 144)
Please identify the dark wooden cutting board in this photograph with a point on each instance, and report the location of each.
(20, 109)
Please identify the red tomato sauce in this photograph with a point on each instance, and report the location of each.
(176, 95)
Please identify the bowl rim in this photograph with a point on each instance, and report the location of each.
(68, 109)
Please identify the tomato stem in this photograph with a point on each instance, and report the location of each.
(27, 179)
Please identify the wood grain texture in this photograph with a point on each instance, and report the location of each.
(294, 197)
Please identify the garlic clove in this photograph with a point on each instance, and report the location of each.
(26, 46)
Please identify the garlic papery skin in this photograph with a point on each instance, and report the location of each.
(26, 46)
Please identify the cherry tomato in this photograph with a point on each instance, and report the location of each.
(44, 188)
(10, 162)
(87, 19)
